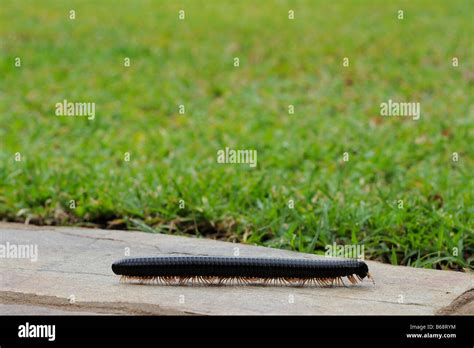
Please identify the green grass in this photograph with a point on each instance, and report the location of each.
(282, 62)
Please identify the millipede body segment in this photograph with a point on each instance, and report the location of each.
(208, 270)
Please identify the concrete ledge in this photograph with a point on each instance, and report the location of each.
(73, 275)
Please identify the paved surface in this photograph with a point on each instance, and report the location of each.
(73, 275)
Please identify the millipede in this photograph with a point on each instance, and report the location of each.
(209, 270)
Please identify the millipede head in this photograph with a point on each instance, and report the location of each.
(363, 270)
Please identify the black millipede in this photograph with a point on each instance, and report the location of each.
(209, 270)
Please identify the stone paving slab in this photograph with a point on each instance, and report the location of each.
(73, 274)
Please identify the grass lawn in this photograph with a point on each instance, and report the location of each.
(300, 156)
